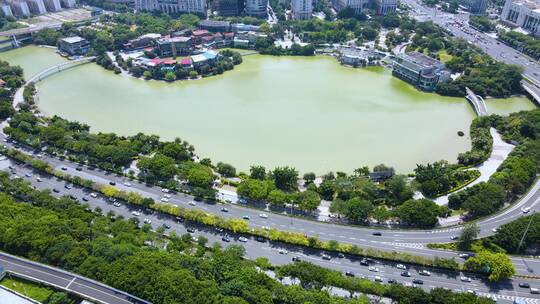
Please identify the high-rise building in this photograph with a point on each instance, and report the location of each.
(36, 7)
(20, 8)
(68, 3)
(53, 5)
(256, 8)
(172, 6)
(382, 7)
(357, 5)
(476, 7)
(302, 9)
(522, 13)
(6, 10)
(229, 8)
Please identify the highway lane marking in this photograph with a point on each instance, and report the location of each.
(33, 269)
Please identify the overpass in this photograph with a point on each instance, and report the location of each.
(532, 90)
(67, 281)
(478, 103)
(19, 35)
(18, 98)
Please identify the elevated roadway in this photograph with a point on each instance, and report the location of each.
(63, 280)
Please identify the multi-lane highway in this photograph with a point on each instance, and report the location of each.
(410, 241)
(89, 289)
(281, 254)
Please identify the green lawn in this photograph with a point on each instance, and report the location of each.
(444, 56)
(29, 289)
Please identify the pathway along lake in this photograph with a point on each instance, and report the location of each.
(306, 112)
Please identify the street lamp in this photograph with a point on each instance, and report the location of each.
(526, 230)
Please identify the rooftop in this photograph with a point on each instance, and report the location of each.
(200, 32)
(420, 59)
(214, 23)
(74, 39)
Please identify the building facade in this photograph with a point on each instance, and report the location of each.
(74, 46)
(6, 10)
(385, 7)
(420, 70)
(175, 46)
(228, 8)
(172, 6)
(522, 13)
(68, 3)
(301, 9)
(37, 7)
(257, 8)
(20, 8)
(53, 5)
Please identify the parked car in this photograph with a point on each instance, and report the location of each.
(524, 285)
(246, 217)
(401, 266)
(406, 274)
(418, 281)
(373, 269)
(223, 209)
(349, 274)
(424, 273)
(263, 215)
(242, 239)
(112, 183)
(191, 230)
(55, 190)
(465, 279)
(296, 259)
(326, 257)
(225, 238)
(94, 195)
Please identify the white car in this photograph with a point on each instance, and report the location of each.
(93, 194)
(127, 184)
(147, 221)
(165, 190)
(167, 195)
(192, 203)
(465, 279)
(242, 239)
(164, 199)
(263, 215)
(378, 279)
(494, 230)
(373, 269)
(265, 227)
(136, 213)
(283, 251)
(401, 266)
(526, 209)
(38, 179)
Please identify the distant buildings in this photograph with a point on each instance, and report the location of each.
(420, 70)
(25, 8)
(256, 8)
(382, 7)
(142, 41)
(358, 57)
(476, 7)
(74, 46)
(301, 9)
(522, 13)
(172, 6)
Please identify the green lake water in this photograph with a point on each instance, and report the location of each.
(306, 112)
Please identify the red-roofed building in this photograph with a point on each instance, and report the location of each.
(198, 34)
(169, 62)
(156, 61)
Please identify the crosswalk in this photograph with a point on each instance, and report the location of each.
(509, 298)
(407, 245)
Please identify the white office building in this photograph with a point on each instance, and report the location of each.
(53, 5)
(172, 6)
(357, 5)
(37, 7)
(257, 8)
(302, 9)
(522, 13)
(382, 7)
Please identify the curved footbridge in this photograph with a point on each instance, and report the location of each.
(18, 98)
(478, 103)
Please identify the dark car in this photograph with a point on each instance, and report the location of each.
(226, 239)
(392, 281)
(68, 186)
(326, 257)
(78, 168)
(377, 233)
(191, 230)
(340, 255)
(64, 168)
(349, 274)
(524, 285)
(55, 190)
(296, 259)
(260, 239)
(112, 183)
(405, 274)
(85, 198)
(166, 226)
(418, 281)
(73, 197)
